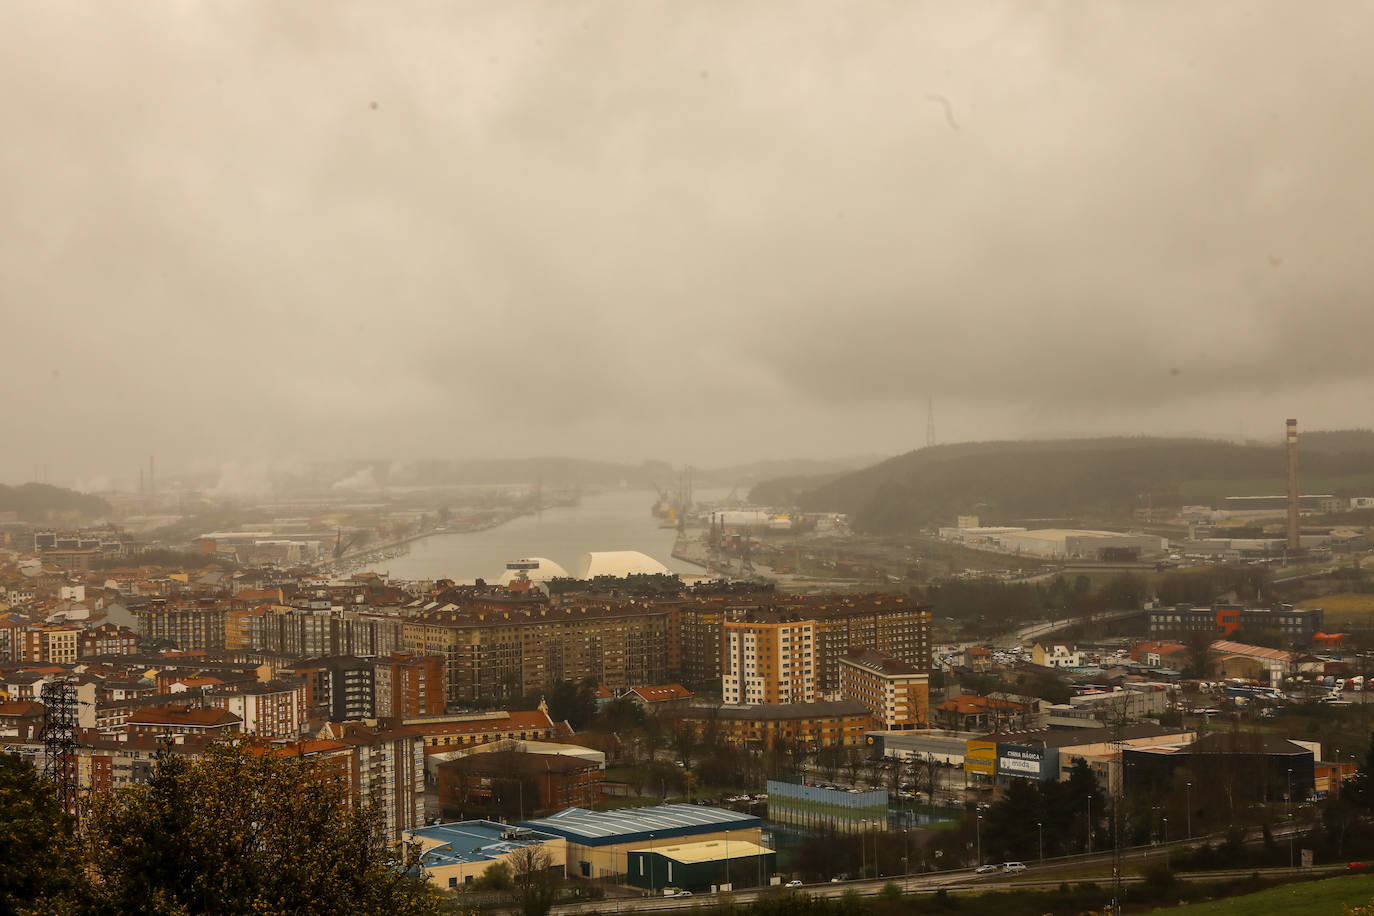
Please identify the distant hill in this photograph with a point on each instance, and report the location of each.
(1336, 441)
(561, 472)
(1006, 481)
(37, 501)
(789, 468)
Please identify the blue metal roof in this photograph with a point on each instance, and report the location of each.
(628, 825)
(471, 841)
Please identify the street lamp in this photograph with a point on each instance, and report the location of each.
(906, 857)
(1289, 805)
(1190, 810)
(1090, 823)
(1041, 825)
(979, 828)
(1166, 833)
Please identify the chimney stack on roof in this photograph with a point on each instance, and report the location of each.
(1294, 540)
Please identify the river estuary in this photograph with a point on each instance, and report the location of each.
(611, 520)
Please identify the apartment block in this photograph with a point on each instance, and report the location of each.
(1295, 626)
(895, 692)
(405, 684)
(272, 710)
(696, 630)
(314, 632)
(493, 654)
(895, 626)
(769, 659)
(340, 687)
(190, 625)
(108, 639)
(837, 723)
(386, 766)
(56, 644)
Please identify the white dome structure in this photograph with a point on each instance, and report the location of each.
(536, 569)
(618, 563)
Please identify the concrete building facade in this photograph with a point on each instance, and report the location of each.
(769, 660)
(895, 692)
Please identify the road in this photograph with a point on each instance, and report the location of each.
(1040, 875)
(962, 881)
(1036, 630)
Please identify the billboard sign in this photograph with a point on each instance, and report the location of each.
(1027, 761)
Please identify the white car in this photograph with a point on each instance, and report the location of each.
(985, 869)
(1014, 868)
(793, 883)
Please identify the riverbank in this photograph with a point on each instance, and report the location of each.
(360, 556)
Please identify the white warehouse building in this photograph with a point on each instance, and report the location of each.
(1069, 542)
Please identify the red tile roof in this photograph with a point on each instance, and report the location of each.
(970, 705)
(663, 693)
(185, 716)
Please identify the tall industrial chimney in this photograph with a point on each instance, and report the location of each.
(1293, 492)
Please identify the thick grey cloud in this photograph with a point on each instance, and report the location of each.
(700, 231)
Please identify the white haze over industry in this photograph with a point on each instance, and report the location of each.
(235, 234)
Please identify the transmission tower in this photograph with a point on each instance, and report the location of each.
(59, 741)
(930, 421)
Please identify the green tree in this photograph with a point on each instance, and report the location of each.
(497, 877)
(572, 702)
(243, 830)
(1360, 789)
(39, 858)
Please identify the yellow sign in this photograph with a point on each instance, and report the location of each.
(980, 757)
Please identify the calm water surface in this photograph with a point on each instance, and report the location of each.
(613, 520)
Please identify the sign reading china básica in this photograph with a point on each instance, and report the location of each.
(1027, 761)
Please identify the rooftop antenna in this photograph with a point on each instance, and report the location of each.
(930, 420)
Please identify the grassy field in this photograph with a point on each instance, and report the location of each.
(1344, 610)
(1314, 898)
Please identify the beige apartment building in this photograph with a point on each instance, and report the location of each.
(55, 644)
(495, 654)
(769, 659)
(895, 692)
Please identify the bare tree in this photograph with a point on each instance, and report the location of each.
(536, 884)
(853, 763)
(684, 740)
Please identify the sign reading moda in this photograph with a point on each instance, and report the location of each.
(1027, 761)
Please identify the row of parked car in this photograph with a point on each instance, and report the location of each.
(1006, 868)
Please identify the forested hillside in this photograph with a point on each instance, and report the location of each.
(1006, 481)
(37, 501)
